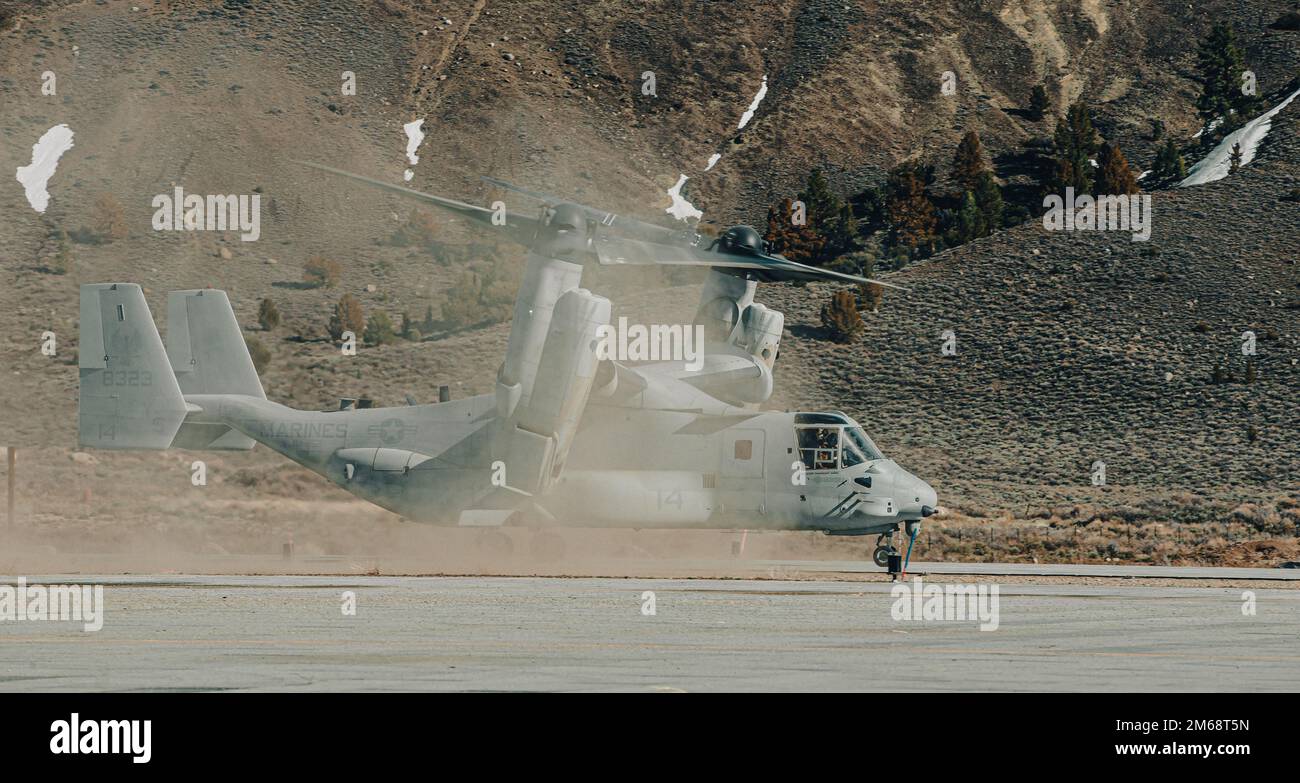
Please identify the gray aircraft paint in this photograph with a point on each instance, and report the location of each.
(582, 441)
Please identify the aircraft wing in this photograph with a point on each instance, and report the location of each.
(707, 425)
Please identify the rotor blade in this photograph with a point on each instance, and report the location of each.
(613, 251)
(500, 183)
(862, 280)
(518, 227)
(638, 228)
(830, 274)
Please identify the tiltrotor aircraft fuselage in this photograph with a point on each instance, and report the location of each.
(566, 438)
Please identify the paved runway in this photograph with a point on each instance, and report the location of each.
(527, 633)
(790, 567)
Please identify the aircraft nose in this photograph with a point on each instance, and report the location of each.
(921, 496)
(929, 498)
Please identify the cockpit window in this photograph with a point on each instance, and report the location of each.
(819, 447)
(831, 447)
(850, 456)
(857, 437)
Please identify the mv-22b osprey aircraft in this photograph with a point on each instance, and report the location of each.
(567, 438)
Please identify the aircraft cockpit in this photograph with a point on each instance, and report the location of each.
(830, 441)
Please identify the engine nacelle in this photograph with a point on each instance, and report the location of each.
(762, 332)
(722, 301)
(546, 281)
(535, 440)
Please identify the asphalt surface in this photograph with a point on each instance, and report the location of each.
(164, 633)
(769, 567)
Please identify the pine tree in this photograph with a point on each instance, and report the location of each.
(1169, 163)
(379, 329)
(869, 211)
(829, 216)
(989, 198)
(841, 234)
(1221, 63)
(968, 163)
(1075, 141)
(1234, 161)
(461, 308)
(1038, 103)
(347, 317)
(428, 325)
(1116, 178)
(828, 230)
(797, 243)
(912, 222)
(818, 197)
(970, 221)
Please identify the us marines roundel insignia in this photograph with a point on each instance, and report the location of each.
(391, 431)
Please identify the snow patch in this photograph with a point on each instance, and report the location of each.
(681, 208)
(1216, 122)
(753, 106)
(1218, 163)
(414, 136)
(45, 159)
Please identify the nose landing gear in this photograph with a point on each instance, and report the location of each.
(884, 548)
(887, 555)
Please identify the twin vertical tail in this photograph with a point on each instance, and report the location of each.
(133, 389)
(129, 397)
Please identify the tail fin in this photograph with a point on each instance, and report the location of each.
(129, 397)
(209, 356)
(206, 347)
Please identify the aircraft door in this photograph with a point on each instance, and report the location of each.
(741, 472)
(819, 450)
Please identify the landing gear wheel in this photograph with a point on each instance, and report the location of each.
(881, 556)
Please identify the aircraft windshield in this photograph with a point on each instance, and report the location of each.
(835, 446)
(857, 437)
